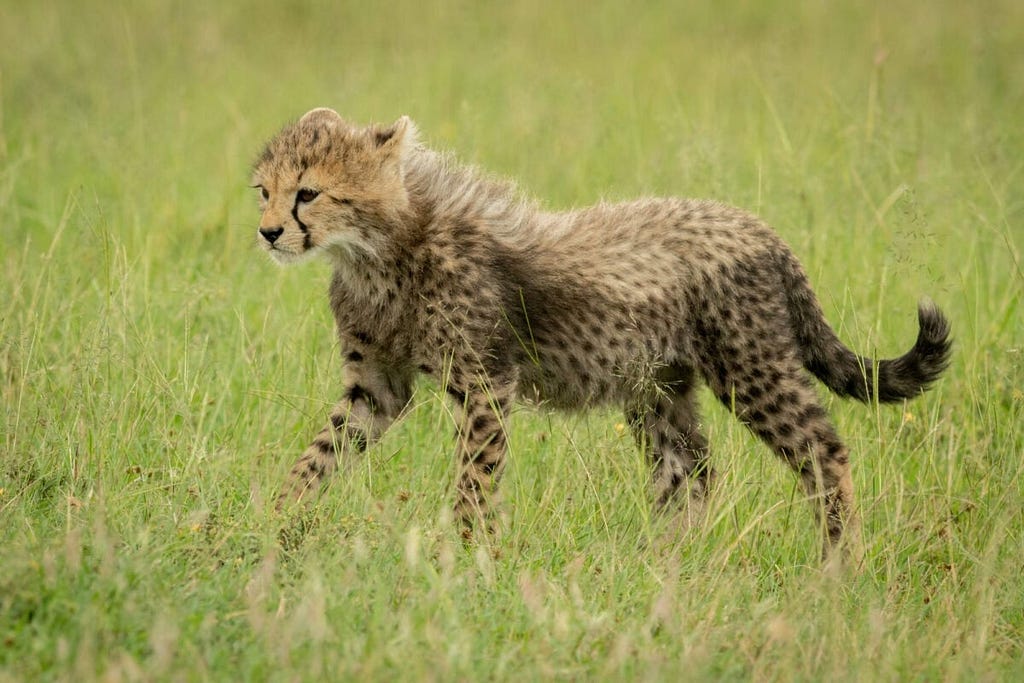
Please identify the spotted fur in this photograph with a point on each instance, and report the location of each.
(441, 269)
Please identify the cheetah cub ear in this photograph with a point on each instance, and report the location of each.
(321, 115)
(396, 142)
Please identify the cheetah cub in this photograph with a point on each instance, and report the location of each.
(440, 269)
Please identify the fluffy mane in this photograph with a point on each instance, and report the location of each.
(456, 192)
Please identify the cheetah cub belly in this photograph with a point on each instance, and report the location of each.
(443, 270)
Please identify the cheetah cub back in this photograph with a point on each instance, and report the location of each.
(441, 269)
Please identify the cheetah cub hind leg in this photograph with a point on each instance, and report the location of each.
(666, 426)
(787, 415)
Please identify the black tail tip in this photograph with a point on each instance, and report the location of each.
(933, 322)
(934, 345)
(916, 370)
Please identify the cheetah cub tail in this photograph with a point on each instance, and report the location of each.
(848, 374)
(914, 371)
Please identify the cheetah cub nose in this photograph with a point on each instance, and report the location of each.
(271, 234)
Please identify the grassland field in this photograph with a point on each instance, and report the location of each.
(158, 375)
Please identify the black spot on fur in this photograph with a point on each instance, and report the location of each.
(481, 423)
(358, 439)
(810, 413)
(790, 398)
(835, 452)
(357, 393)
(721, 372)
(469, 484)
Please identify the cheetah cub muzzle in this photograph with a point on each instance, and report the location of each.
(441, 269)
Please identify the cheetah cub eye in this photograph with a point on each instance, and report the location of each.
(306, 195)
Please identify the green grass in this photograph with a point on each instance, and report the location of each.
(158, 375)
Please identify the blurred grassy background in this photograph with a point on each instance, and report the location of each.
(158, 375)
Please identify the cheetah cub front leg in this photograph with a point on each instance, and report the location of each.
(481, 415)
(374, 397)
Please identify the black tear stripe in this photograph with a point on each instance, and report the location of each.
(307, 241)
(295, 215)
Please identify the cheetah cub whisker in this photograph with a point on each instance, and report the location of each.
(441, 269)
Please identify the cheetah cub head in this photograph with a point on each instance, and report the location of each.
(327, 186)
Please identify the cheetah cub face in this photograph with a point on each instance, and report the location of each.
(328, 186)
